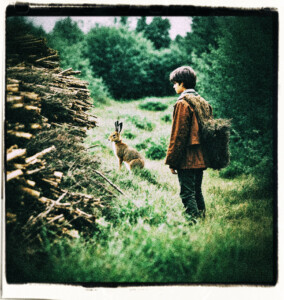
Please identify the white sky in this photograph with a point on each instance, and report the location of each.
(179, 25)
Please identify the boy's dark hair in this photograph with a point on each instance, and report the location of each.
(186, 75)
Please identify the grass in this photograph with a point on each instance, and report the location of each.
(145, 237)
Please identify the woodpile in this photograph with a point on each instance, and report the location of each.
(47, 117)
(35, 84)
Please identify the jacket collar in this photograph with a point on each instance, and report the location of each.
(188, 91)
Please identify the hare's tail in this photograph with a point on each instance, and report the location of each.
(137, 163)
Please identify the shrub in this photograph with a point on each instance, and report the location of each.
(167, 118)
(121, 57)
(157, 150)
(129, 135)
(153, 106)
(251, 157)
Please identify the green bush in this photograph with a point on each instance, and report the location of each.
(157, 150)
(153, 106)
(154, 150)
(157, 31)
(167, 118)
(129, 135)
(252, 156)
(122, 58)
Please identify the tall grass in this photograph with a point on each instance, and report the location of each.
(145, 237)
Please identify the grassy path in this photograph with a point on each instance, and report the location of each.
(146, 238)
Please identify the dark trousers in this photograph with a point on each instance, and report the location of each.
(190, 181)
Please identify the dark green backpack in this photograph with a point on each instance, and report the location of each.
(214, 134)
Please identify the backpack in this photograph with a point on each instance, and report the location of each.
(214, 134)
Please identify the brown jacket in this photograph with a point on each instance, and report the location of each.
(184, 151)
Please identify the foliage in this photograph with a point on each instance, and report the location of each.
(157, 150)
(99, 90)
(203, 35)
(66, 32)
(124, 21)
(157, 31)
(129, 135)
(121, 58)
(167, 118)
(153, 106)
(129, 64)
(69, 40)
(141, 24)
(237, 78)
(22, 26)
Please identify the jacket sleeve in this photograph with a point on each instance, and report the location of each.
(179, 135)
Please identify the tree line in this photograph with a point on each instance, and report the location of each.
(234, 57)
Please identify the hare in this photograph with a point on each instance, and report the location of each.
(124, 153)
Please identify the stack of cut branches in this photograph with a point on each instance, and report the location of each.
(31, 50)
(62, 99)
(46, 120)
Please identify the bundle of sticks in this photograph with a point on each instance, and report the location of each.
(63, 99)
(41, 97)
(62, 211)
(31, 49)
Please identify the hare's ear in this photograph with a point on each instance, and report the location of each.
(116, 126)
(120, 127)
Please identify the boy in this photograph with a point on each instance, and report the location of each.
(184, 156)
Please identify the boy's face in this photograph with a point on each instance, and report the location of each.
(179, 88)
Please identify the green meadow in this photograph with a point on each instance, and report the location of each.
(144, 236)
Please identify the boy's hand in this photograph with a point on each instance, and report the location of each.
(173, 171)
